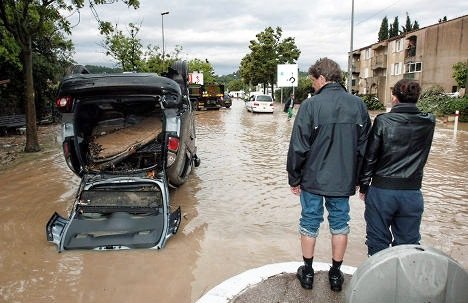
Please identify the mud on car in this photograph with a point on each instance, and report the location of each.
(129, 137)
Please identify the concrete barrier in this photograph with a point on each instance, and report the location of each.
(409, 273)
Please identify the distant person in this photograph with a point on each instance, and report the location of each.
(290, 108)
(327, 145)
(288, 102)
(392, 172)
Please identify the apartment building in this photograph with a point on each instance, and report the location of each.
(425, 55)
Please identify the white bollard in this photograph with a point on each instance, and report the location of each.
(455, 124)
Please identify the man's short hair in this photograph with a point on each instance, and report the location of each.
(407, 91)
(328, 68)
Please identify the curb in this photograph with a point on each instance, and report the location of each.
(226, 290)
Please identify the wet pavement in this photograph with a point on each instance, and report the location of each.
(238, 214)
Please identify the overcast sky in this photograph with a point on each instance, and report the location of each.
(220, 31)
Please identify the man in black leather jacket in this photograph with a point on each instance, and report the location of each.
(327, 145)
(392, 172)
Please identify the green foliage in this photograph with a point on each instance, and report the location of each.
(126, 50)
(372, 102)
(434, 101)
(383, 32)
(394, 28)
(235, 85)
(95, 69)
(203, 66)
(51, 54)
(9, 49)
(408, 26)
(460, 72)
(225, 79)
(153, 59)
(266, 52)
(29, 21)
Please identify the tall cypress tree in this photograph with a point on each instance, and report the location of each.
(383, 32)
(408, 27)
(394, 29)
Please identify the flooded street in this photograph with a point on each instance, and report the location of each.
(238, 213)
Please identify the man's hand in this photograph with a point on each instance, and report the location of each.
(362, 196)
(296, 190)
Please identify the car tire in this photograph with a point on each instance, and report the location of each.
(182, 69)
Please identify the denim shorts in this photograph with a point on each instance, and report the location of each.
(312, 214)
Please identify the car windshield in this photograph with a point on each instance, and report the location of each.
(264, 98)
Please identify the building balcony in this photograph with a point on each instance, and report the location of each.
(355, 69)
(379, 61)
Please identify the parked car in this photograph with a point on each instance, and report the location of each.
(227, 100)
(129, 137)
(260, 104)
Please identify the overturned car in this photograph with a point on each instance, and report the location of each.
(129, 137)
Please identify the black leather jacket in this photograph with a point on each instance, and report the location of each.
(328, 142)
(397, 149)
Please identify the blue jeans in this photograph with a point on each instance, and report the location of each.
(392, 213)
(312, 214)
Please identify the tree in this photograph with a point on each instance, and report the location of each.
(203, 66)
(460, 72)
(235, 85)
(394, 28)
(25, 19)
(259, 66)
(153, 59)
(383, 32)
(126, 50)
(415, 25)
(408, 26)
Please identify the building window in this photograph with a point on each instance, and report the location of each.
(413, 67)
(398, 45)
(396, 69)
(368, 53)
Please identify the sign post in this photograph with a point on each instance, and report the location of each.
(287, 76)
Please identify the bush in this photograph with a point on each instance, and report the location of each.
(434, 101)
(372, 102)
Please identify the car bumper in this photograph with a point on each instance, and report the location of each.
(262, 110)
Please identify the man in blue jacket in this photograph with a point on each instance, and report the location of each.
(327, 145)
(397, 151)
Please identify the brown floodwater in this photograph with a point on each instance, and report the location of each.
(238, 214)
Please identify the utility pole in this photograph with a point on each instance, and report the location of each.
(163, 49)
(350, 57)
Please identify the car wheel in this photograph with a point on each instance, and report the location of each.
(182, 70)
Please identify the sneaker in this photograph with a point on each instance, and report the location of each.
(336, 278)
(306, 279)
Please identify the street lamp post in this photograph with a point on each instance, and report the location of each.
(162, 28)
(350, 57)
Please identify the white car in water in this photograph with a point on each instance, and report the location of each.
(260, 104)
